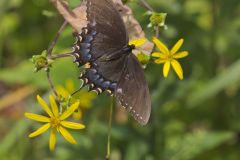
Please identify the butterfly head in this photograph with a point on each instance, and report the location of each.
(132, 46)
(128, 49)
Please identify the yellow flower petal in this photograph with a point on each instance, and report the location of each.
(177, 68)
(158, 55)
(54, 106)
(180, 55)
(52, 139)
(70, 86)
(138, 42)
(176, 46)
(160, 46)
(40, 130)
(86, 98)
(63, 92)
(72, 125)
(159, 61)
(37, 117)
(67, 135)
(166, 69)
(77, 115)
(44, 106)
(69, 111)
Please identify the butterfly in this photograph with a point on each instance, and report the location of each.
(103, 44)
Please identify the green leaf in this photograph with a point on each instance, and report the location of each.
(136, 150)
(24, 74)
(228, 77)
(192, 144)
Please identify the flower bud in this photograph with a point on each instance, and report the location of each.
(158, 19)
(41, 61)
(143, 59)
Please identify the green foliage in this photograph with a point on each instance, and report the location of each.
(60, 74)
(223, 81)
(191, 145)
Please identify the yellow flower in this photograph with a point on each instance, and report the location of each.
(54, 121)
(138, 42)
(84, 98)
(140, 52)
(169, 57)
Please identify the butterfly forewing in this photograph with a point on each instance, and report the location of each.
(110, 28)
(111, 69)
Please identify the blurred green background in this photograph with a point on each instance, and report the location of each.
(194, 119)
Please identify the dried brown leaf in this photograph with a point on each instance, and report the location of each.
(133, 27)
(77, 17)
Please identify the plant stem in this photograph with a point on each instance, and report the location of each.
(157, 33)
(145, 4)
(159, 143)
(109, 130)
(53, 57)
(51, 84)
(50, 49)
(49, 53)
(58, 56)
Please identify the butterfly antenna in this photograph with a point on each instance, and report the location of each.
(82, 85)
(76, 91)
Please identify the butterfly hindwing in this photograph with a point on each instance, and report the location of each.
(132, 91)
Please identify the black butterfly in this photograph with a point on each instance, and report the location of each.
(103, 44)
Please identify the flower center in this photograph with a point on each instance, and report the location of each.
(169, 57)
(55, 122)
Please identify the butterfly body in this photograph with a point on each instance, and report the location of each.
(114, 69)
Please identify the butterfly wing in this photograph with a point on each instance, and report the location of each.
(105, 35)
(132, 91)
(105, 32)
(101, 44)
(108, 21)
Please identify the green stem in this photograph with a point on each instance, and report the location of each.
(59, 56)
(51, 84)
(50, 49)
(145, 4)
(109, 130)
(157, 34)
